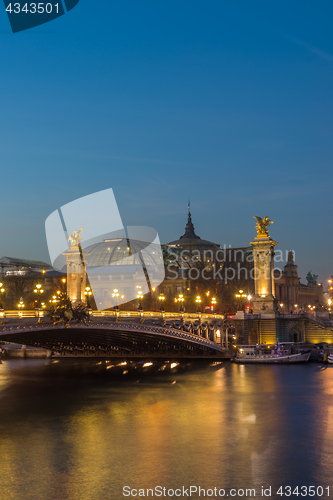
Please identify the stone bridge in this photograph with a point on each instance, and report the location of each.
(128, 336)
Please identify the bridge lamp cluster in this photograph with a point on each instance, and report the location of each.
(161, 299)
(2, 290)
(241, 294)
(21, 304)
(140, 297)
(213, 301)
(38, 289)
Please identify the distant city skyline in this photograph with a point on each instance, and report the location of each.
(227, 103)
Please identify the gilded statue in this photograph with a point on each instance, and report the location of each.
(262, 225)
(75, 238)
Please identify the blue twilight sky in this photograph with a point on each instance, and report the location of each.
(228, 102)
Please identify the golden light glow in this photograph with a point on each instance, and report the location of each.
(147, 364)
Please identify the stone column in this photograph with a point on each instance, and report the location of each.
(264, 301)
(76, 275)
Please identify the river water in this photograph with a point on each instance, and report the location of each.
(73, 432)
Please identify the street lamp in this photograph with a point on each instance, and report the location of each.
(198, 302)
(88, 294)
(161, 298)
(2, 290)
(21, 305)
(115, 295)
(241, 295)
(181, 300)
(54, 300)
(139, 297)
(38, 290)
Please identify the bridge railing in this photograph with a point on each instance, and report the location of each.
(35, 313)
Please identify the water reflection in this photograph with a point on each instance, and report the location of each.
(78, 438)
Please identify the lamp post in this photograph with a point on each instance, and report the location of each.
(198, 301)
(88, 294)
(241, 295)
(213, 303)
(2, 290)
(161, 298)
(63, 284)
(21, 304)
(38, 290)
(115, 295)
(181, 300)
(139, 297)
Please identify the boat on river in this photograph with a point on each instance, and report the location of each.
(285, 352)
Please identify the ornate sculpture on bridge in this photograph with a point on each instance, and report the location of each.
(311, 279)
(262, 225)
(65, 312)
(75, 238)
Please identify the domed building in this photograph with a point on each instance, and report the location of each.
(203, 251)
(119, 270)
(121, 252)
